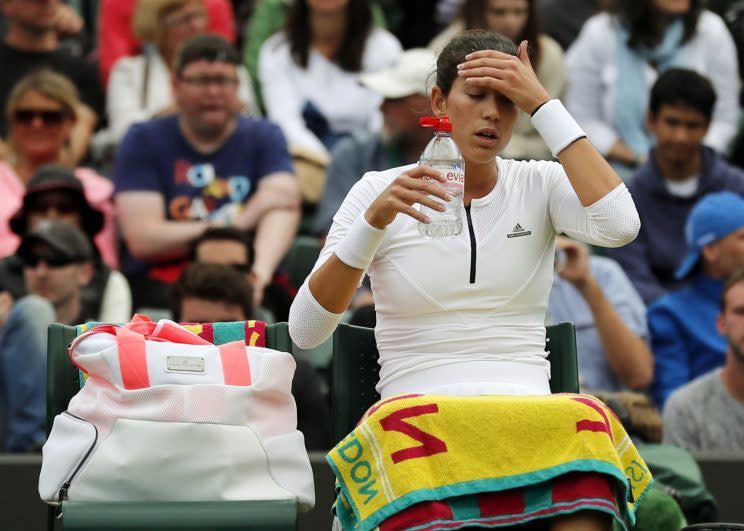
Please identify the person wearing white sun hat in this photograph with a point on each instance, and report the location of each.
(401, 141)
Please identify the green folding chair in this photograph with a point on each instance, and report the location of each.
(301, 258)
(63, 382)
(355, 370)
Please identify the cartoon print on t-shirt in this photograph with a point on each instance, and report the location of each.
(204, 194)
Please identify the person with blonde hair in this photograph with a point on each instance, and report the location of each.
(140, 87)
(116, 38)
(49, 125)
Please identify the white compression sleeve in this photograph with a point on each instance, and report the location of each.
(614, 218)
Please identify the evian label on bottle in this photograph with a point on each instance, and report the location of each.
(454, 178)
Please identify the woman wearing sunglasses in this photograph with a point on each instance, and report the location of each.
(47, 125)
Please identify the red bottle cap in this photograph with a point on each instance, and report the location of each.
(439, 124)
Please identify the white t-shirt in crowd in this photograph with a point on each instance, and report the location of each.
(348, 106)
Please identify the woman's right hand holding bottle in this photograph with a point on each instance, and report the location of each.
(406, 190)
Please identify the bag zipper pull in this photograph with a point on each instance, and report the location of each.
(63, 491)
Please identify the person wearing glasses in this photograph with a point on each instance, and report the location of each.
(139, 87)
(116, 38)
(48, 125)
(57, 263)
(205, 166)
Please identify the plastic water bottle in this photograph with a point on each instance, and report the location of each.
(443, 154)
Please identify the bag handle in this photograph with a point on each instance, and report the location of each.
(236, 368)
(132, 350)
(132, 358)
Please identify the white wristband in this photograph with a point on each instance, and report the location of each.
(556, 126)
(360, 244)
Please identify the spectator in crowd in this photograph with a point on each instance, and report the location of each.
(233, 247)
(140, 86)
(56, 265)
(116, 37)
(684, 339)
(594, 293)
(207, 293)
(401, 141)
(308, 72)
(517, 20)
(45, 117)
(205, 166)
(226, 246)
(31, 43)
(267, 18)
(679, 171)
(71, 30)
(210, 293)
(563, 19)
(707, 414)
(55, 193)
(612, 64)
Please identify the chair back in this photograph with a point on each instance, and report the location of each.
(355, 370)
(63, 378)
(301, 258)
(560, 344)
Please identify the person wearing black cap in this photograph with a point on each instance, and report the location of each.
(55, 193)
(57, 263)
(96, 214)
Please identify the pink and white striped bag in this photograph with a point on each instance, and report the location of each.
(164, 415)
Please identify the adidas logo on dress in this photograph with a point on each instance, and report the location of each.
(518, 231)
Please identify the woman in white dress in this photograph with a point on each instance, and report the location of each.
(308, 72)
(465, 316)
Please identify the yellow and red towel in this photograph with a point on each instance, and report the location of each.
(411, 450)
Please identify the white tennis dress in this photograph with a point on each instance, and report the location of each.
(466, 315)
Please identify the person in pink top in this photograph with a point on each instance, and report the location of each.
(43, 110)
(116, 38)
